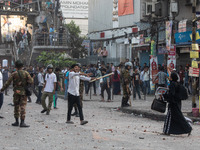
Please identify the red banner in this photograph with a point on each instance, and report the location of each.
(125, 7)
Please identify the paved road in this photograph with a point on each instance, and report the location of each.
(107, 129)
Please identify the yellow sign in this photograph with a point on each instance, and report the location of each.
(195, 47)
(194, 54)
(197, 36)
(195, 64)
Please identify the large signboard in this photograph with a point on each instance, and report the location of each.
(74, 8)
(125, 7)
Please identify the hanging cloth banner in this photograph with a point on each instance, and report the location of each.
(125, 7)
(168, 34)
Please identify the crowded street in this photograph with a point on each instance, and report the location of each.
(107, 129)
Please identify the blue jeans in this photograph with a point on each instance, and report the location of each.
(136, 89)
(66, 89)
(39, 94)
(1, 100)
(146, 87)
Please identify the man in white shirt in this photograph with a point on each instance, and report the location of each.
(145, 79)
(49, 89)
(1, 94)
(73, 92)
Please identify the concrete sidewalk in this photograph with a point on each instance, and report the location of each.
(143, 107)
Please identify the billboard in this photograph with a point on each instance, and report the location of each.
(125, 7)
(74, 8)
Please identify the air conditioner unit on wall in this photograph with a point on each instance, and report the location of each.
(149, 8)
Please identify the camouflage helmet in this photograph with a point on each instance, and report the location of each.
(19, 64)
(50, 66)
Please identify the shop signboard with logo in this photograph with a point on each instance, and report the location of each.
(185, 38)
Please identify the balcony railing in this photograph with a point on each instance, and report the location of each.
(50, 39)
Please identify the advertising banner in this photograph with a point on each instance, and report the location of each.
(168, 34)
(194, 72)
(185, 38)
(171, 62)
(153, 70)
(194, 54)
(74, 8)
(125, 7)
(182, 26)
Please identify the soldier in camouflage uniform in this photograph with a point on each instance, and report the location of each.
(19, 97)
(126, 80)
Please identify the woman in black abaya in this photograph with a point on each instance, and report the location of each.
(175, 122)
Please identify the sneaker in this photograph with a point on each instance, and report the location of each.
(1, 117)
(55, 107)
(47, 113)
(70, 122)
(77, 115)
(43, 111)
(83, 122)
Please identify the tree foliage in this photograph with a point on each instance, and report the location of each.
(56, 59)
(78, 51)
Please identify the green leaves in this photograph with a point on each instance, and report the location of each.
(56, 59)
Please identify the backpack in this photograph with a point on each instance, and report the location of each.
(182, 92)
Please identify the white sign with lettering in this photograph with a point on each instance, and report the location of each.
(74, 8)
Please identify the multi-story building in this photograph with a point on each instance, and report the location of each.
(128, 34)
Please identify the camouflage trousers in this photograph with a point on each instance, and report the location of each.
(126, 96)
(20, 102)
(44, 96)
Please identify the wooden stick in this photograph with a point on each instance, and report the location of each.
(102, 77)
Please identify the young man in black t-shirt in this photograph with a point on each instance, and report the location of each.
(136, 83)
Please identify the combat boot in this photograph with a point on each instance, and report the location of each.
(23, 125)
(16, 124)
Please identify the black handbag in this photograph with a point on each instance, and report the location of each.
(26, 88)
(158, 105)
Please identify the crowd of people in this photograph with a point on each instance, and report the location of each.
(45, 36)
(77, 79)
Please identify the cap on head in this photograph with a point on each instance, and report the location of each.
(19, 64)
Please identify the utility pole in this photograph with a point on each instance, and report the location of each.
(194, 59)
